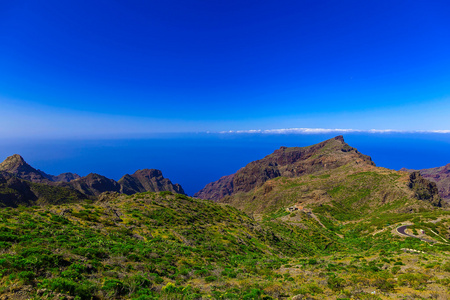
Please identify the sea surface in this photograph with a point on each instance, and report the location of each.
(193, 160)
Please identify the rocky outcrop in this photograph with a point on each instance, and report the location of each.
(147, 180)
(424, 189)
(439, 175)
(287, 162)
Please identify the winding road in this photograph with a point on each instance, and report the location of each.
(402, 231)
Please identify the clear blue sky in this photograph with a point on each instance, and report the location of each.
(86, 68)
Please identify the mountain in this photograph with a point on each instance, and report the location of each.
(92, 185)
(17, 166)
(330, 176)
(24, 185)
(286, 162)
(147, 180)
(319, 222)
(439, 175)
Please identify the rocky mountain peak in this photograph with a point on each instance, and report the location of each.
(339, 138)
(287, 162)
(17, 166)
(147, 180)
(12, 162)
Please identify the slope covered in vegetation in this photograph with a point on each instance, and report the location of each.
(170, 246)
(330, 225)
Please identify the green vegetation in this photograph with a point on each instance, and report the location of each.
(170, 246)
(341, 242)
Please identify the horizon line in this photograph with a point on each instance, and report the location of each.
(329, 130)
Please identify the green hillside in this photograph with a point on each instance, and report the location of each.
(170, 246)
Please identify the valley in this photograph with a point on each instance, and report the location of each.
(302, 223)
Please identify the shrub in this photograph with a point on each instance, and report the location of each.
(413, 280)
(82, 289)
(165, 193)
(335, 283)
(26, 276)
(446, 267)
(210, 278)
(114, 287)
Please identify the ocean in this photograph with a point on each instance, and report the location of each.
(193, 160)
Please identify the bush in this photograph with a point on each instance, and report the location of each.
(62, 285)
(446, 267)
(210, 278)
(413, 280)
(165, 193)
(335, 283)
(26, 276)
(114, 287)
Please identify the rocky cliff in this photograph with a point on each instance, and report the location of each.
(439, 175)
(424, 189)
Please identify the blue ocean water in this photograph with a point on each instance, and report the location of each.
(193, 160)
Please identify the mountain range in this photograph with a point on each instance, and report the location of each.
(316, 222)
(20, 183)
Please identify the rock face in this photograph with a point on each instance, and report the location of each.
(218, 189)
(147, 180)
(439, 175)
(424, 189)
(17, 166)
(287, 162)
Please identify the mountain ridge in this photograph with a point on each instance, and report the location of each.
(286, 162)
(21, 184)
(331, 175)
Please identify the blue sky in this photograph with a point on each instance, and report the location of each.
(120, 68)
